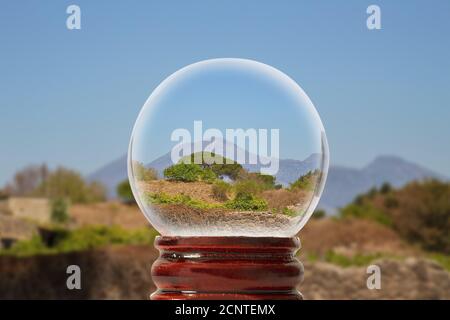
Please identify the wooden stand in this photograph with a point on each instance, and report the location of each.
(228, 268)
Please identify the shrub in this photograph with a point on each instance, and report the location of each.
(27, 247)
(265, 181)
(69, 184)
(231, 170)
(59, 213)
(289, 212)
(423, 214)
(247, 204)
(82, 239)
(208, 175)
(92, 237)
(306, 182)
(371, 193)
(142, 173)
(27, 180)
(390, 202)
(366, 211)
(124, 191)
(164, 198)
(220, 190)
(319, 214)
(419, 212)
(219, 165)
(385, 188)
(183, 172)
(247, 189)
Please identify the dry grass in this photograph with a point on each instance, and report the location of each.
(196, 190)
(277, 199)
(282, 198)
(352, 236)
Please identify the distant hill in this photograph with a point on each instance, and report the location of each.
(111, 174)
(343, 184)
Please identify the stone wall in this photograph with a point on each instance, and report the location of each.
(35, 209)
(13, 229)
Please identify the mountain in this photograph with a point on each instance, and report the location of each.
(115, 172)
(343, 184)
(111, 175)
(291, 169)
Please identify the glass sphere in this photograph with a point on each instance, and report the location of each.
(228, 147)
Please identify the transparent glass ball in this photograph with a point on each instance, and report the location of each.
(228, 147)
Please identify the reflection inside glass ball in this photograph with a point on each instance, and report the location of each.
(228, 147)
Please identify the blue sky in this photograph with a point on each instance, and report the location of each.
(229, 94)
(71, 97)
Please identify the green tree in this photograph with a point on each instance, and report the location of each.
(183, 172)
(419, 212)
(26, 180)
(319, 214)
(59, 212)
(366, 210)
(265, 181)
(422, 214)
(124, 192)
(219, 165)
(385, 188)
(69, 184)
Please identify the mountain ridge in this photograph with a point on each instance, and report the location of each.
(343, 183)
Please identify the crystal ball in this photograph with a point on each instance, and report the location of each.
(228, 147)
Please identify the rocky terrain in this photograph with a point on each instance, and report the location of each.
(410, 279)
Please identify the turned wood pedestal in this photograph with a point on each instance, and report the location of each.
(229, 268)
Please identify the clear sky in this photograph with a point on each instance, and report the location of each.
(229, 94)
(71, 97)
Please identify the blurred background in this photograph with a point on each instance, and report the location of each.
(69, 100)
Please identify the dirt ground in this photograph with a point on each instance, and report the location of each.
(352, 236)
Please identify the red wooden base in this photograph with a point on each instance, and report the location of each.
(204, 268)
